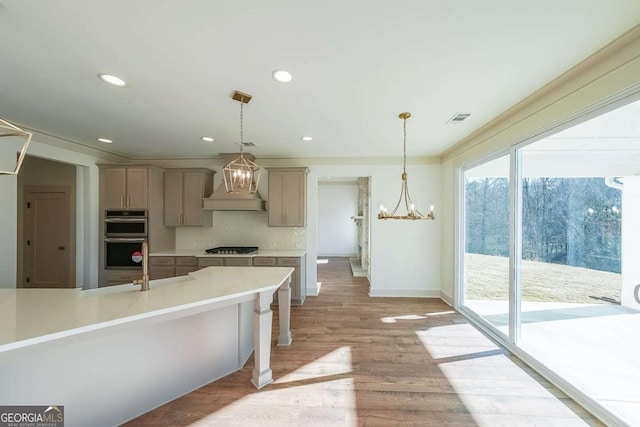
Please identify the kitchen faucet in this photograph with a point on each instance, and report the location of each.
(144, 282)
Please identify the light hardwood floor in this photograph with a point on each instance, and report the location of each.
(360, 361)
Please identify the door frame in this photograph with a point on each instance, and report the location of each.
(337, 177)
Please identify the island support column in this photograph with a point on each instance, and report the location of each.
(284, 312)
(262, 321)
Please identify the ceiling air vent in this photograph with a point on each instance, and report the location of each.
(459, 117)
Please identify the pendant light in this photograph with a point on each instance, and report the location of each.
(241, 175)
(17, 139)
(411, 211)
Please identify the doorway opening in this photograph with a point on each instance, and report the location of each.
(343, 221)
(46, 224)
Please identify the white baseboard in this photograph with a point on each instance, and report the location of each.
(313, 292)
(446, 298)
(405, 293)
(342, 255)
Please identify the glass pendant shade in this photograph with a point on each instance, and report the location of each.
(242, 174)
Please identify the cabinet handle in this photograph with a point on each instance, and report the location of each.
(182, 219)
(128, 201)
(122, 201)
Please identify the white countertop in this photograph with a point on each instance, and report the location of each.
(32, 316)
(200, 253)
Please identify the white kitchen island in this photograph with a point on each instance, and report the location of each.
(110, 354)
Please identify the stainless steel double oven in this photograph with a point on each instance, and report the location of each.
(124, 232)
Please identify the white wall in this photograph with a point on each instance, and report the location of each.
(405, 255)
(8, 229)
(337, 232)
(448, 221)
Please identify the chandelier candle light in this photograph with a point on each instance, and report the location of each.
(241, 175)
(412, 212)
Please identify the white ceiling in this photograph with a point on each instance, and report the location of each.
(356, 64)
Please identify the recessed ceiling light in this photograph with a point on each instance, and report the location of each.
(207, 138)
(105, 140)
(306, 138)
(112, 80)
(282, 76)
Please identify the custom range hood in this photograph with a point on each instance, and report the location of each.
(221, 200)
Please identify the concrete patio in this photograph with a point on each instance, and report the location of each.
(593, 346)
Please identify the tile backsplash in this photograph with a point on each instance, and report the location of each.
(238, 228)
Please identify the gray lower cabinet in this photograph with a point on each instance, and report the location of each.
(264, 261)
(210, 262)
(298, 287)
(161, 267)
(237, 262)
(185, 265)
(224, 261)
(119, 277)
(167, 266)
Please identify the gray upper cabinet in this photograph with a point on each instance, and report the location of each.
(124, 187)
(287, 197)
(184, 191)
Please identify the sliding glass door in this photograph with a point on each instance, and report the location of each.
(486, 241)
(572, 298)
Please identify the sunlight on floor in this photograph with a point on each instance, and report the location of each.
(323, 389)
(437, 340)
(394, 319)
(493, 384)
(333, 406)
(335, 363)
(489, 383)
(324, 385)
(323, 261)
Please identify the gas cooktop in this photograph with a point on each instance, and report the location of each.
(233, 250)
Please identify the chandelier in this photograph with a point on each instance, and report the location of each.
(241, 175)
(412, 212)
(15, 137)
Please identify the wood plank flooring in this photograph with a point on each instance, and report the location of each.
(361, 361)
